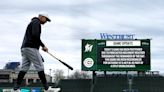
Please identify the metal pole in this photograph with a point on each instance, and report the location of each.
(50, 72)
(130, 82)
(68, 73)
(50, 75)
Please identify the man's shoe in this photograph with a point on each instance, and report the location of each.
(45, 90)
(52, 90)
(16, 90)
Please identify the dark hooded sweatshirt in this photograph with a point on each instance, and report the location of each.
(32, 35)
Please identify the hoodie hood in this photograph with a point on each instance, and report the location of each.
(34, 18)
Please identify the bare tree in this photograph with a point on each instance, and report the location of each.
(80, 75)
(58, 74)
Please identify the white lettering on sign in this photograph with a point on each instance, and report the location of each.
(123, 57)
(123, 43)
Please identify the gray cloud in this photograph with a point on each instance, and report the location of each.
(74, 20)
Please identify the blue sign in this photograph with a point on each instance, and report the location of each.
(106, 36)
(35, 90)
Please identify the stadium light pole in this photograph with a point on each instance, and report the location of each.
(68, 73)
(50, 75)
(50, 71)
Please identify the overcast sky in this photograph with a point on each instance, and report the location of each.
(73, 20)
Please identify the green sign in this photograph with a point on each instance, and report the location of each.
(116, 55)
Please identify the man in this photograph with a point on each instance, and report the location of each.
(30, 50)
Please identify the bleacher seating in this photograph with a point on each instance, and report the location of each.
(75, 85)
(106, 84)
(115, 84)
(110, 84)
(149, 83)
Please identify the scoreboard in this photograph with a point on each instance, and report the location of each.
(116, 55)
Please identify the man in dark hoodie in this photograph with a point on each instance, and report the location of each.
(30, 50)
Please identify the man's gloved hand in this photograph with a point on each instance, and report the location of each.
(45, 49)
